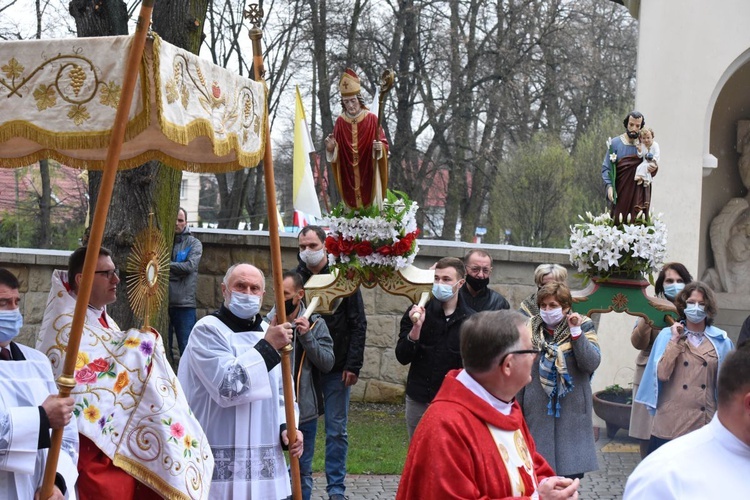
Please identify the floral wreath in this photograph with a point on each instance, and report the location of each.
(372, 240)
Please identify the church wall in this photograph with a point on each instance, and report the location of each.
(692, 83)
(684, 49)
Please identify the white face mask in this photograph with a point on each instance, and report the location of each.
(312, 257)
(243, 305)
(552, 317)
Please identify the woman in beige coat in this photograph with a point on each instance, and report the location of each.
(671, 280)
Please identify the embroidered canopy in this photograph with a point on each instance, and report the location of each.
(59, 100)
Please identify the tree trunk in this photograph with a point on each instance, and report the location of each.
(44, 205)
(153, 187)
(319, 23)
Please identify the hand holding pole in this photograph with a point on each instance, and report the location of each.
(422, 301)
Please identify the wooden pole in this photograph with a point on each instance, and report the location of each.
(66, 382)
(278, 285)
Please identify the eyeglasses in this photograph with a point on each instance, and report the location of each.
(484, 270)
(109, 273)
(535, 352)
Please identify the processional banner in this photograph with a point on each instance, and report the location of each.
(59, 100)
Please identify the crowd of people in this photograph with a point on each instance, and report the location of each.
(498, 403)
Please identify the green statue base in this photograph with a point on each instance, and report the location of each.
(624, 295)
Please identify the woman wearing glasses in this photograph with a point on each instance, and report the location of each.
(679, 383)
(557, 403)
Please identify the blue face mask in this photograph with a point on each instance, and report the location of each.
(443, 293)
(695, 313)
(244, 306)
(10, 324)
(671, 290)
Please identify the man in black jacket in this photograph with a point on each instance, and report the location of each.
(347, 326)
(476, 291)
(431, 345)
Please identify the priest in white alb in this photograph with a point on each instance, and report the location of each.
(232, 378)
(29, 409)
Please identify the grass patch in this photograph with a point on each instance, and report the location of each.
(377, 440)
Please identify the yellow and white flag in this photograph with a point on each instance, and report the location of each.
(304, 197)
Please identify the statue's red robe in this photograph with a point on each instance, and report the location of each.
(353, 167)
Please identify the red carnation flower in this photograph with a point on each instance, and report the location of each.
(401, 246)
(363, 248)
(385, 250)
(346, 246)
(332, 245)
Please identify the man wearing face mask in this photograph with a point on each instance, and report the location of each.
(475, 291)
(348, 327)
(231, 373)
(627, 197)
(431, 345)
(29, 409)
(313, 356)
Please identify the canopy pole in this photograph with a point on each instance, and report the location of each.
(278, 284)
(66, 382)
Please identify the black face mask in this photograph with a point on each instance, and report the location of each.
(477, 284)
(289, 306)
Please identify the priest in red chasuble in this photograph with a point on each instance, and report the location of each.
(357, 149)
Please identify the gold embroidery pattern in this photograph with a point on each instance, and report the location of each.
(62, 95)
(125, 394)
(227, 108)
(75, 81)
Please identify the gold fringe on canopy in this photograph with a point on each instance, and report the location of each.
(62, 106)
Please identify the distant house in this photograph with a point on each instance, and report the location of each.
(190, 192)
(21, 191)
(434, 204)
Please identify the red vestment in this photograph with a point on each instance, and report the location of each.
(465, 448)
(353, 166)
(99, 478)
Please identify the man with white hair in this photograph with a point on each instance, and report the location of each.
(232, 378)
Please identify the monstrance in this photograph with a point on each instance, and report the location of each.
(148, 273)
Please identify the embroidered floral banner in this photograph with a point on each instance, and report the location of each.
(129, 401)
(59, 100)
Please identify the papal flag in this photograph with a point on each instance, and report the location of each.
(303, 187)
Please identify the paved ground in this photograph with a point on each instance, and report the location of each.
(617, 459)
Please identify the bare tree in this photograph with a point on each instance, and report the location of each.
(152, 187)
(242, 192)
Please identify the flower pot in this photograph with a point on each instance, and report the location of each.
(614, 408)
